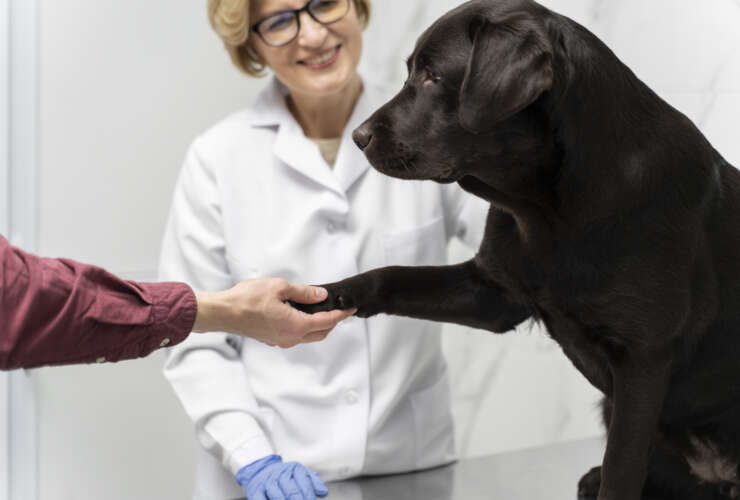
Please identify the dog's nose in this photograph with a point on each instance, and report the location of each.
(362, 136)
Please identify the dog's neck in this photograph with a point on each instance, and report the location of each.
(611, 128)
(536, 222)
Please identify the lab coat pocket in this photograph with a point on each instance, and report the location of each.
(424, 245)
(434, 429)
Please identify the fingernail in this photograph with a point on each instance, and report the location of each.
(320, 293)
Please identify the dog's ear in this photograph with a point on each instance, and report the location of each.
(509, 66)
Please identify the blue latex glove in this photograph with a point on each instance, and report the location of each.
(271, 479)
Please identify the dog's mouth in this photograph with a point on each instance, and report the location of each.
(405, 168)
(448, 176)
(402, 168)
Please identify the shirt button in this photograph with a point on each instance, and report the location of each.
(101, 359)
(351, 397)
(164, 342)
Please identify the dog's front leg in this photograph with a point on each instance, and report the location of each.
(453, 294)
(640, 381)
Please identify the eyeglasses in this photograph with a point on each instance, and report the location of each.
(282, 27)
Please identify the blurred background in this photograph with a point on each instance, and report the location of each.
(99, 100)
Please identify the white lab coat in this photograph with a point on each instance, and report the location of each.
(255, 198)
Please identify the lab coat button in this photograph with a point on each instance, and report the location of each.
(351, 397)
(331, 227)
(164, 342)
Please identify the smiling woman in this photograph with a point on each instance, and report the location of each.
(232, 21)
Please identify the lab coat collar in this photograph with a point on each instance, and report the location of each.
(297, 151)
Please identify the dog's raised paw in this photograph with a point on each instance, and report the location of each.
(338, 298)
(312, 308)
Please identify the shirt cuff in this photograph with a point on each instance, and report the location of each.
(175, 309)
(254, 449)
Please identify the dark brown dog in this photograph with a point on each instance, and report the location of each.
(613, 221)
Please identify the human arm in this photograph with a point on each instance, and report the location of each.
(59, 311)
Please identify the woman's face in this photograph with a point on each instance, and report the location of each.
(302, 64)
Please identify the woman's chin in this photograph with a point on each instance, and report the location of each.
(321, 82)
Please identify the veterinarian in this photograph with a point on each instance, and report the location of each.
(58, 311)
(279, 189)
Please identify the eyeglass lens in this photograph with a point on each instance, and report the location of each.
(282, 27)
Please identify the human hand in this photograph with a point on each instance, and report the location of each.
(258, 308)
(271, 479)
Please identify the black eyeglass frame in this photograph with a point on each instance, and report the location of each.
(297, 14)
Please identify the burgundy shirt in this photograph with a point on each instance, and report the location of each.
(58, 311)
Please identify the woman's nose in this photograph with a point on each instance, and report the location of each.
(312, 33)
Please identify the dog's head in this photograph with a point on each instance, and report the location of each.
(473, 79)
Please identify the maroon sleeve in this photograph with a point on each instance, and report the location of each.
(58, 311)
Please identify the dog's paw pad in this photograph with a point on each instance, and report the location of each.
(341, 303)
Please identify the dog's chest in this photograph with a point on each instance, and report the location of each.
(562, 297)
(709, 465)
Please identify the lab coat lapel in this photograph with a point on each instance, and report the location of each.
(294, 149)
(291, 146)
(351, 162)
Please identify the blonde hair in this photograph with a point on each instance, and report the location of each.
(230, 20)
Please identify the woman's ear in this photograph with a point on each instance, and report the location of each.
(509, 66)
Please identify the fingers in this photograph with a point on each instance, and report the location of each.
(326, 320)
(255, 491)
(318, 485)
(303, 480)
(256, 495)
(273, 491)
(304, 294)
(272, 486)
(315, 337)
(287, 485)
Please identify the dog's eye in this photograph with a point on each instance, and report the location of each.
(430, 77)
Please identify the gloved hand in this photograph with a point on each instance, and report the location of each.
(271, 479)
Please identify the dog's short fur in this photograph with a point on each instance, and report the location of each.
(613, 221)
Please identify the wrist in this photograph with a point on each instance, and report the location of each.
(248, 472)
(211, 312)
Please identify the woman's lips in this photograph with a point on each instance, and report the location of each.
(322, 61)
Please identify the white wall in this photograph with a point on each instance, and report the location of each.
(125, 86)
(4, 226)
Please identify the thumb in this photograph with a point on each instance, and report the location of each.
(304, 294)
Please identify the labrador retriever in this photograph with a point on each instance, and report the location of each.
(613, 221)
